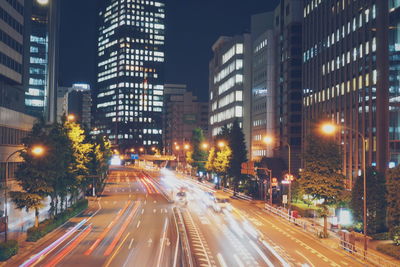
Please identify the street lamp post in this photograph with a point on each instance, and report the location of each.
(37, 150)
(269, 140)
(330, 129)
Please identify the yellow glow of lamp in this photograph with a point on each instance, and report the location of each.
(221, 144)
(268, 140)
(71, 117)
(204, 145)
(42, 2)
(328, 128)
(186, 146)
(37, 150)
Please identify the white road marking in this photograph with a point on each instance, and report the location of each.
(307, 259)
(138, 224)
(154, 211)
(265, 258)
(130, 244)
(239, 262)
(142, 211)
(221, 260)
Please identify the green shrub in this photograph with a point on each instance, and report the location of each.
(381, 236)
(303, 212)
(8, 249)
(390, 250)
(48, 225)
(395, 235)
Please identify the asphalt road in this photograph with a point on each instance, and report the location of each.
(133, 224)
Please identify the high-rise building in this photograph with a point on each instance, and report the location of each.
(263, 84)
(11, 54)
(230, 84)
(128, 97)
(35, 88)
(288, 95)
(182, 114)
(351, 69)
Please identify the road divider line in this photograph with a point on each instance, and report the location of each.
(138, 224)
(307, 259)
(162, 242)
(121, 231)
(116, 251)
(130, 244)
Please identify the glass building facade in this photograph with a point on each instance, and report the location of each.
(38, 51)
(128, 98)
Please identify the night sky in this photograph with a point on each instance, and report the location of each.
(192, 28)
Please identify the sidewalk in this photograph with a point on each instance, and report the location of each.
(333, 241)
(27, 249)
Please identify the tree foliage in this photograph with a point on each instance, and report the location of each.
(222, 160)
(393, 197)
(210, 160)
(376, 202)
(321, 177)
(198, 156)
(69, 157)
(239, 153)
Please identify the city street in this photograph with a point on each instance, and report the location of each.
(134, 226)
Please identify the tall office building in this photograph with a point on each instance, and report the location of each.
(263, 84)
(35, 88)
(11, 54)
(230, 84)
(351, 69)
(128, 96)
(288, 34)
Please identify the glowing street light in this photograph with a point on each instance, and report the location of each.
(204, 145)
(177, 147)
(221, 144)
(328, 128)
(268, 140)
(42, 2)
(186, 147)
(37, 150)
(141, 149)
(132, 150)
(153, 149)
(71, 117)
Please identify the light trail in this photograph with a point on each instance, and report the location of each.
(39, 256)
(122, 230)
(70, 246)
(106, 230)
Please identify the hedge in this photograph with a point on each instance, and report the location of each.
(48, 225)
(305, 213)
(390, 250)
(8, 249)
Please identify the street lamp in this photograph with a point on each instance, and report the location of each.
(35, 151)
(42, 2)
(221, 144)
(141, 149)
(70, 117)
(186, 147)
(204, 146)
(269, 140)
(329, 129)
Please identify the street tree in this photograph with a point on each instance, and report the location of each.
(239, 153)
(31, 174)
(393, 197)
(221, 162)
(198, 156)
(321, 178)
(210, 160)
(376, 200)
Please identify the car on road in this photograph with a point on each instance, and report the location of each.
(181, 197)
(221, 204)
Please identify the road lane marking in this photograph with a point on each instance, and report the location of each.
(238, 261)
(154, 211)
(221, 260)
(116, 251)
(162, 242)
(265, 258)
(142, 211)
(122, 229)
(130, 244)
(138, 224)
(307, 259)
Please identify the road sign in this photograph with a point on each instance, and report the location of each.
(248, 168)
(284, 199)
(134, 156)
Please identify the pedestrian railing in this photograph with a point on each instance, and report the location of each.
(351, 248)
(238, 194)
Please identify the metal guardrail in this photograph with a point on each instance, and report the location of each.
(353, 249)
(238, 194)
(186, 258)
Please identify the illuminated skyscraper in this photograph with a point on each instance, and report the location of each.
(128, 97)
